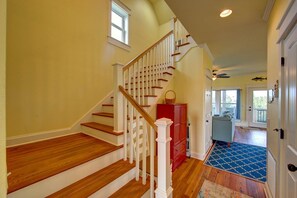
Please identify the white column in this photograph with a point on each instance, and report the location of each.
(164, 189)
(118, 106)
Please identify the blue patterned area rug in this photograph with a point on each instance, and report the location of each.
(246, 160)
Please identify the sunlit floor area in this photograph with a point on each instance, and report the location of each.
(252, 136)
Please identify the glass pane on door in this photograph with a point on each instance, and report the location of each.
(259, 106)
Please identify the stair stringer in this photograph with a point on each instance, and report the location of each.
(185, 49)
(88, 116)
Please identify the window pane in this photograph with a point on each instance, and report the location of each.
(117, 19)
(229, 96)
(116, 34)
(260, 106)
(228, 101)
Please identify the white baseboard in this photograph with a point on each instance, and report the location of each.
(75, 128)
(198, 156)
(36, 137)
(242, 123)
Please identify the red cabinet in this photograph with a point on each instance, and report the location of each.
(178, 130)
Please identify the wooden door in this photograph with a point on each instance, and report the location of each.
(290, 51)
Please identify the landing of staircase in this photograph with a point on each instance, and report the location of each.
(34, 162)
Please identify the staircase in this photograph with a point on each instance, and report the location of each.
(110, 155)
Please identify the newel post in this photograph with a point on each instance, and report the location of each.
(164, 188)
(118, 98)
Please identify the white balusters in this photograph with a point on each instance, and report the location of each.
(138, 78)
(152, 160)
(144, 147)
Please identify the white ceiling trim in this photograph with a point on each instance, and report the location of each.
(268, 9)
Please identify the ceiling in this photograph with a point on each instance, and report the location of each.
(238, 42)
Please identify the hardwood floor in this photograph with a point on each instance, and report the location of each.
(33, 162)
(189, 177)
(252, 136)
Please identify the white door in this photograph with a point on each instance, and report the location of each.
(290, 80)
(208, 114)
(257, 107)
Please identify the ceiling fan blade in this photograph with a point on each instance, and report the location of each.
(223, 76)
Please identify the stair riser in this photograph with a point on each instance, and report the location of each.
(107, 109)
(149, 77)
(159, 84)
(110, 138)
(115, 185)
(163, 76)
(152, 91)
(103, 120)
(52, 184)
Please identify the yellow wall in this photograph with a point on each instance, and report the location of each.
(240, 82)
(189, 85)
(59, 60)
(3, 182)
(273, 71)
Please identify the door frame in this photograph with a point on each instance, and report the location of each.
(249, 100)
(285, 26)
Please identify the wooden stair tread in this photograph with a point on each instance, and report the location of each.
(146, 96)
(167, 73)
(150, 75)
(104, 114)
(175, 54)
(34, 162)
(183, 44)
(155, 87)
(132, 189)
(107, 105)
(111, 105)
(101, 127)
(160, 79)
(94, 182)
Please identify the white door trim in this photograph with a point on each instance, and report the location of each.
(285, 26)
(288, 20)
(250, 100)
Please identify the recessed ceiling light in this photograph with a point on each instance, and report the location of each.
(225, 13)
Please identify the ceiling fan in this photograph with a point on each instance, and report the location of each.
(215, 75)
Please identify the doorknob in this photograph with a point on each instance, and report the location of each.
(292, 168)
(281, 133)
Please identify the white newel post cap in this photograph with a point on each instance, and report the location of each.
(163, 134)
(118, 64)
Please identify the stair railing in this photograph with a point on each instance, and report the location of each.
(162, 127)
(133, 84)
(145, 71)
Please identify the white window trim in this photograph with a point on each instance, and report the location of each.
(112, 40)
